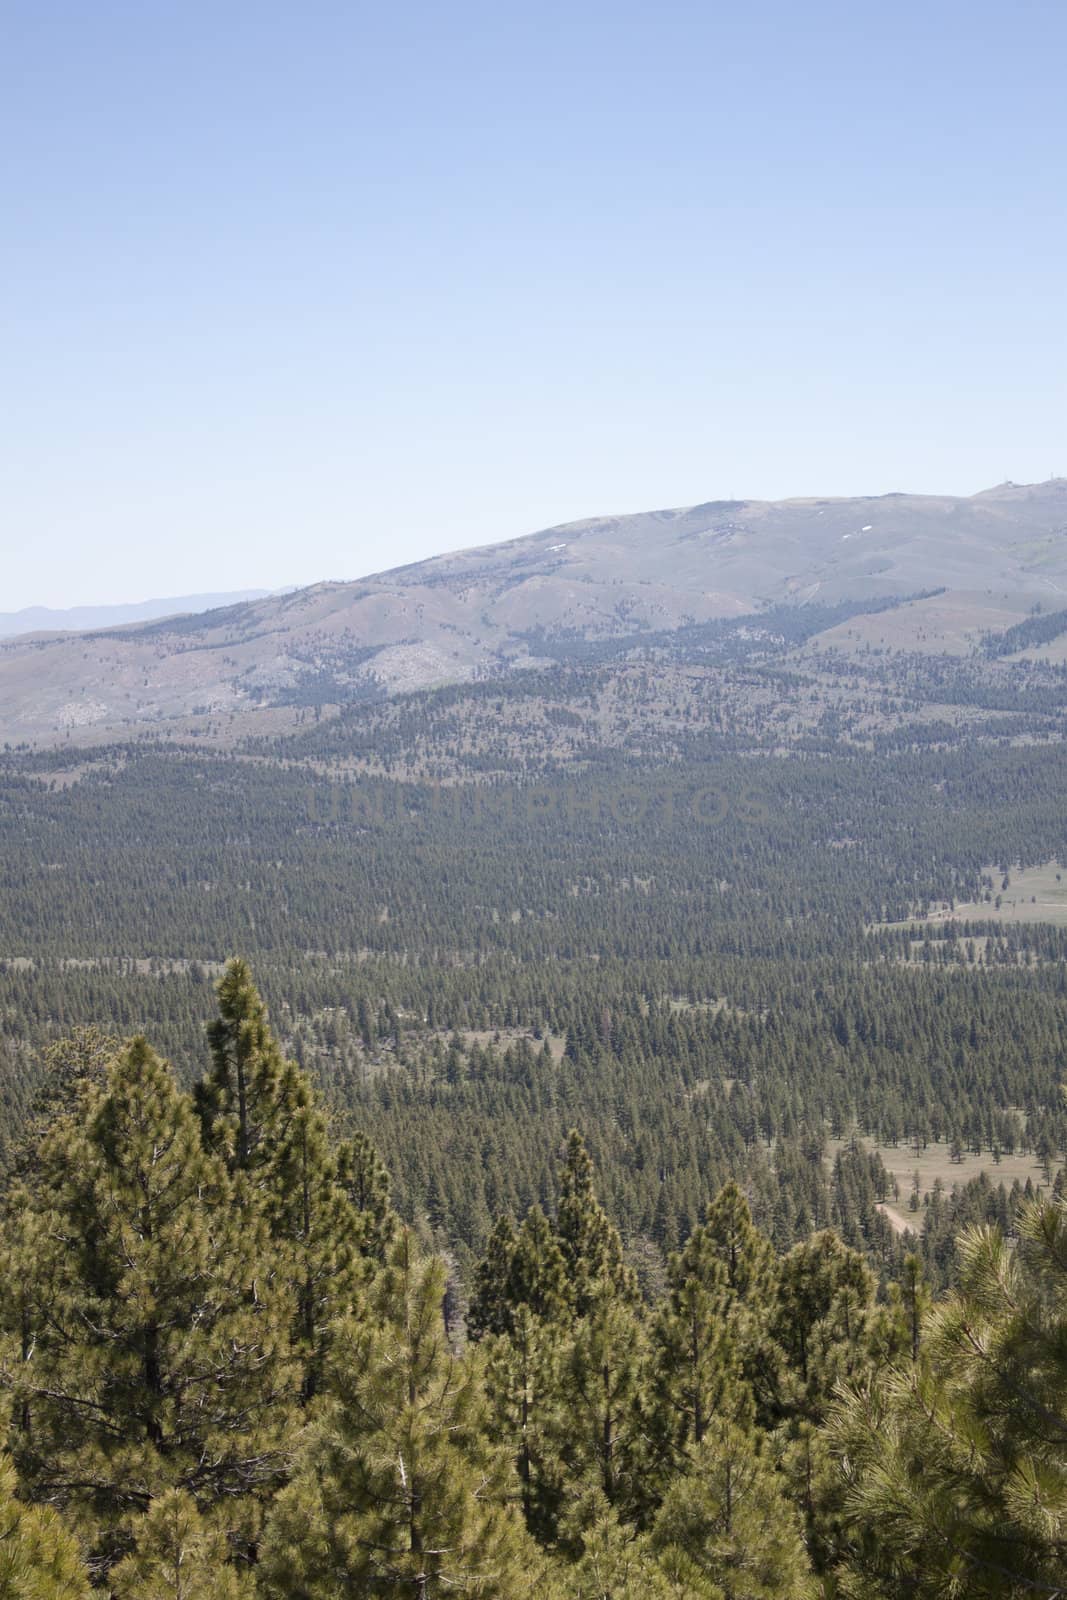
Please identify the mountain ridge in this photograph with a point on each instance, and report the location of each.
(87, 618)
(981, 563)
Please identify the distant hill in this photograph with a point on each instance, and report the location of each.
(42, 619)
(486, 612)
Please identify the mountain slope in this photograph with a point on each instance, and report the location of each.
(488, 611)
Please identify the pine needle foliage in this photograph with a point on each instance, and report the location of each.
(39, 1558)
(956, 1463)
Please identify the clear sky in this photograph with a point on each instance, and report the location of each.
(302, 290)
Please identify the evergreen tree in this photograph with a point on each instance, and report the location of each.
(491, 1310)
(695, 1361)
(317, 1234)
(747, 1257)
(398, 1491)
(39, 1557)
(241, 1097)
(326, 1212)
(614, 1561)
(364, 1179)
(602, 1431)
(956, 1463)
(827, 1329)
(537, 1278)
(32, 1271)
(823, 1320)
(909, 1300)
(523, 1269)
(522, 1378)
(730, 1516)
(73, 1066)
(592, 1250)
(179, 1556)
(161, 1360)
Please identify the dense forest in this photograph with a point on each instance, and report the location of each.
(233, 1370)
(681, 907)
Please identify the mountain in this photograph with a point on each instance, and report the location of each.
(42, 619)
(978, 565)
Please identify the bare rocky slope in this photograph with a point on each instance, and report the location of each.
(500, 608)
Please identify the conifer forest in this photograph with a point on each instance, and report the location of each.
(448, 1153)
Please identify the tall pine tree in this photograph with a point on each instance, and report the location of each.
(327, 1212)
(161, 1357)
(399, 1492)
(592, 1250)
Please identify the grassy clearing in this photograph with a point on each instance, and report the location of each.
(1033, 894)
(935, 1161)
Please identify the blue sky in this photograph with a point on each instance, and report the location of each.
(300, 291)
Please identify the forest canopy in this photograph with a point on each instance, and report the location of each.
(232, 1369)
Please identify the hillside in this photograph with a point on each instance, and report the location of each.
(486, 612)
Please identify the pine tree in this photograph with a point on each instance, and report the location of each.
(316, 1233)
(538, 1274)
(827, 1329)
(614, 1561)
(179, 1556)
(909, 1300)
(437, 1209)
(710, 1333)
(240, 1099)
(398, 1491)
(262, 1114)
(161, 1361)
(746, 1255)
(73, 1066)
(32, 1272)
(730, 1516)
(522, 1380)
(491, 1310)
(823, 1320)
(523, 1269)
(364, 1179)
(602, 1437)
(956, 1463)
(696, 1368)
(592, 1249)
(39, 1557)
